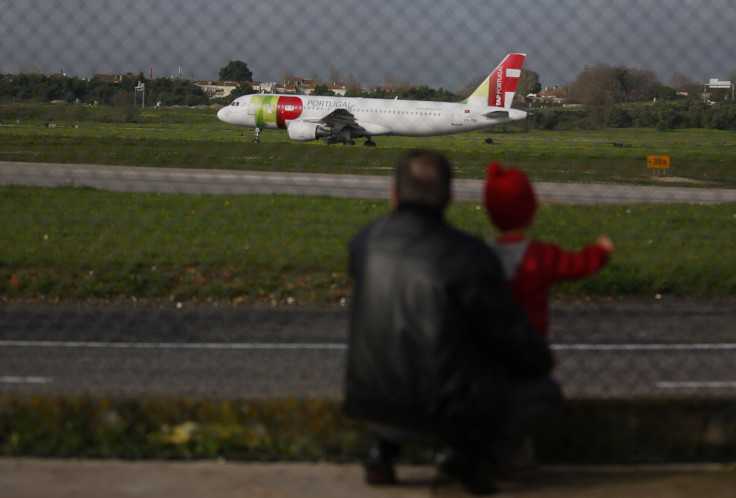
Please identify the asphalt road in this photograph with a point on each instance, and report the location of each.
(618, 348)
(218, 182)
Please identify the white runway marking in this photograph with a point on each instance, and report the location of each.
(646, 347)
(11, 379)
(713, 384)
(340, 346)
(174, 345)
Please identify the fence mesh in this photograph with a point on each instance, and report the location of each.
(152, 252)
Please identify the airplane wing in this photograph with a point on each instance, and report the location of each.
(338, 126)
(342, 118)
(339, 119)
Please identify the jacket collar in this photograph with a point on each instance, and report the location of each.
(419, 211)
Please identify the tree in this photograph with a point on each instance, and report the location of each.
(665, 93)
(678, 81)
(170, 91)
(604, 85)
(528, 83)
(236, 71)
(243, 88)
(30, 68)
(333, 76)
(398, 82)
(352, 86)
(321, 89)
(637, 84)
(468, 89)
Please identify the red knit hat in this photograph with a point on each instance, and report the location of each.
(509, 198)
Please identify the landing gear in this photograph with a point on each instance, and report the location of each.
(258, 136)
(369, 143)
(349, 142)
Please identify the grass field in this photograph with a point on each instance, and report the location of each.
(194, 138)
(79, 244)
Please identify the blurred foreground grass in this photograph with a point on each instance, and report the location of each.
(586, 431)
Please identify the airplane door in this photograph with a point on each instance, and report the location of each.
(251, 109)
(457, 117)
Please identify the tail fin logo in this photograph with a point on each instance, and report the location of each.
(498, 89)
(504, 79)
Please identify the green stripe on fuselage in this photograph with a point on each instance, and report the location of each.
(265, 110)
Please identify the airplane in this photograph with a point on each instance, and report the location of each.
(341, 119)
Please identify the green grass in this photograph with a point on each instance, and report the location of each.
(79, 244)
(194, 138)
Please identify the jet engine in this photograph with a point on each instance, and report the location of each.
(301, 131)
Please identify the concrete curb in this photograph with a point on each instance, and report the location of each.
(21, 478)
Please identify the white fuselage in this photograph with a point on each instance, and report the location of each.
(376, 116)
(340, 119)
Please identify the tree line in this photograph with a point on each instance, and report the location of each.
(607, 96)
(40, 88)
(663, 115)
(600, 96)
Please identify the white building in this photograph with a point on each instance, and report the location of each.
(217, 89)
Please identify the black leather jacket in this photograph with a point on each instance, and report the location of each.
(434, 333)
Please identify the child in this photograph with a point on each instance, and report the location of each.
(530, 265)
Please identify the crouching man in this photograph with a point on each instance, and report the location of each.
(438, 352)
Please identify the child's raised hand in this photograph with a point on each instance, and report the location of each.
(606, 243)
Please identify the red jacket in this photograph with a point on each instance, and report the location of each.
(532, 267)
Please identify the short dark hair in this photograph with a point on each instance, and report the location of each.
(422, 178)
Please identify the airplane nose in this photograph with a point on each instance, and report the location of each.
(222, 114)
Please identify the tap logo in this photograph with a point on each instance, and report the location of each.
(288, 108)
(499, 86)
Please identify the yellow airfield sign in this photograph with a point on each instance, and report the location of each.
(658, 162)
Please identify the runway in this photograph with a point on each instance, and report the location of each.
(230, 182)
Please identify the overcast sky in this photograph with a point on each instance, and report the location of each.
(437, 43)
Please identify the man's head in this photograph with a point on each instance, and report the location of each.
(422, 178)
(509, 198)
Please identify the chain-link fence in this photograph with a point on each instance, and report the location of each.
(172, 288)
